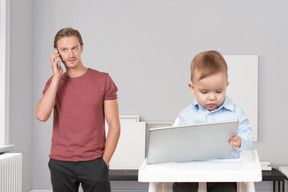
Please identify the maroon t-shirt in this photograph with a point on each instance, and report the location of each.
(78, 124)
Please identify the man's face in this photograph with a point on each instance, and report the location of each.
(210, 92)
(70, 50)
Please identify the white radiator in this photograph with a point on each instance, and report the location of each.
(11, 172)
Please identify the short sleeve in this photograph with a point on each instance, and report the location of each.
(47, 85)
(110, 89)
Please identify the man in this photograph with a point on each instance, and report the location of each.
(82, 98)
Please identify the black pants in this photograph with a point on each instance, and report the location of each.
(67, 176)
(211, 187)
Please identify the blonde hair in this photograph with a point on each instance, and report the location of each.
(208, 63)
(67, 32)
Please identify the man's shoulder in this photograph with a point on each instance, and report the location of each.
(98, 74)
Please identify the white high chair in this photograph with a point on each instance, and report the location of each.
(245, 172)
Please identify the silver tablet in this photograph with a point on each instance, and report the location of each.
(190, 143)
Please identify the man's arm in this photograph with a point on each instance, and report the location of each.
(112, 118)
(45, 106)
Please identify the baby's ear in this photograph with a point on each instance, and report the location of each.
(227, 83)
(191, 87)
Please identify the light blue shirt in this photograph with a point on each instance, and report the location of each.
(228, 111)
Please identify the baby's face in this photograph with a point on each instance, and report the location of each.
(210, 92)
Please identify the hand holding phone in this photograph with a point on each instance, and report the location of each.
(59, 62)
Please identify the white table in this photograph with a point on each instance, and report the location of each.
(245, 171)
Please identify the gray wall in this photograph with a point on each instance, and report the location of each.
(21, 81)
(146, 46)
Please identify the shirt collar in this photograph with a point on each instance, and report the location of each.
(228, 104)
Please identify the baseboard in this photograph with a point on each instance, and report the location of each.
(41, 190)
(38, 190)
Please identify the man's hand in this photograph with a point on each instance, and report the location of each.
(54, 59)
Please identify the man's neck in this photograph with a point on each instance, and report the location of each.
(76, 72)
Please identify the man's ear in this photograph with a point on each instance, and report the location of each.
(82, 47)
(191, 87)
(227, 83)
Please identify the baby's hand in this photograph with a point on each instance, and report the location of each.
(235, 141)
